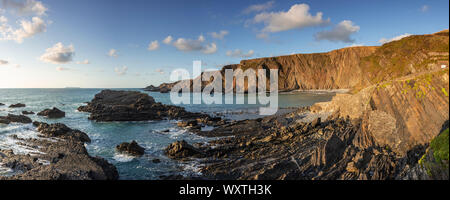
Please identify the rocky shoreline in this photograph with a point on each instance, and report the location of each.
(59, 153)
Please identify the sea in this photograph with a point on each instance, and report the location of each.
(152, 135)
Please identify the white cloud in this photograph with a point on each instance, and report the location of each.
(121, 71)
(356, 45)
(384, 40)
(3, 62)
(424, 8)
(340, 33)
(27, 7)
(220, 35)
(161, 71)
(210, 48)
(154, 45)
(112, 53)
(188, 45)
(237, 53)
(27, 29)
(58, 54)
(259, 7)
(60, 69)
(297, 17)
(168, 40)
(3, 20)
(84, 62)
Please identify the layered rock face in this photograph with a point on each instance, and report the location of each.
(353, 68)
(61, 155)
(111, 105)
(401, 113)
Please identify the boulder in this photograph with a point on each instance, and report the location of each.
(18, 105)
(4, 120)
(182, 150)
(190, 123)
(15, 118)
(132, 148)
(52, 113)
(27, 113)
(1, 104)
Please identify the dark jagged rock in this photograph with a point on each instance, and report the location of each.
(15, 118)
(64, 154)
(4, 120)
(61, 131)
(27, 113)
(111, 105)
(52, 113)
(18, 105)
(1, 104)
(132, 148)
(281, 147)
(182, 150)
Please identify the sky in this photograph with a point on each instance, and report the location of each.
(136, 43)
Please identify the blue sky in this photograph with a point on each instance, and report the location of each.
(54, 43)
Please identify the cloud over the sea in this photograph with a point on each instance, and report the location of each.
(190, 45)
(3, 62)
(58, 54)
(121, 70)
(154, 45)
(26, 7)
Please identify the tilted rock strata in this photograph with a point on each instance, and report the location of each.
(63, 157)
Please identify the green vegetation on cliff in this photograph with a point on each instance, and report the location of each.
(406, 56)
(440, 147)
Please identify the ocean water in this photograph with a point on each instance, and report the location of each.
(106, 135)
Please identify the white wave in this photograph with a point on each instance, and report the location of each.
(191, 168)
(5, 171)
(123, 157)
(7, 142)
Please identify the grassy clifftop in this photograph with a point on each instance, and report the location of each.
(409, 55)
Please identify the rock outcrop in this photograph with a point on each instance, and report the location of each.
(111, 105)
(182, 150)
(131, 148)
(18, 105)
(52, 113)
(401, 113)
(15, 118)
(27, 113)
(61, 155)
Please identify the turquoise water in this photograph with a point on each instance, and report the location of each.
(105, 136)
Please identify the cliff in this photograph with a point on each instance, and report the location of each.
(353, 68)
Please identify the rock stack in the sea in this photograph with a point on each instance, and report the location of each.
(1, 104)
(27, 113)
(14, 118)
(110, 105)
(52, 113)
(62, 156)
(132, 148)
(17, 105)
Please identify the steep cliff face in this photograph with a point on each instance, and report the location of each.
(339, 69)
(352, 68)
(401, 113)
